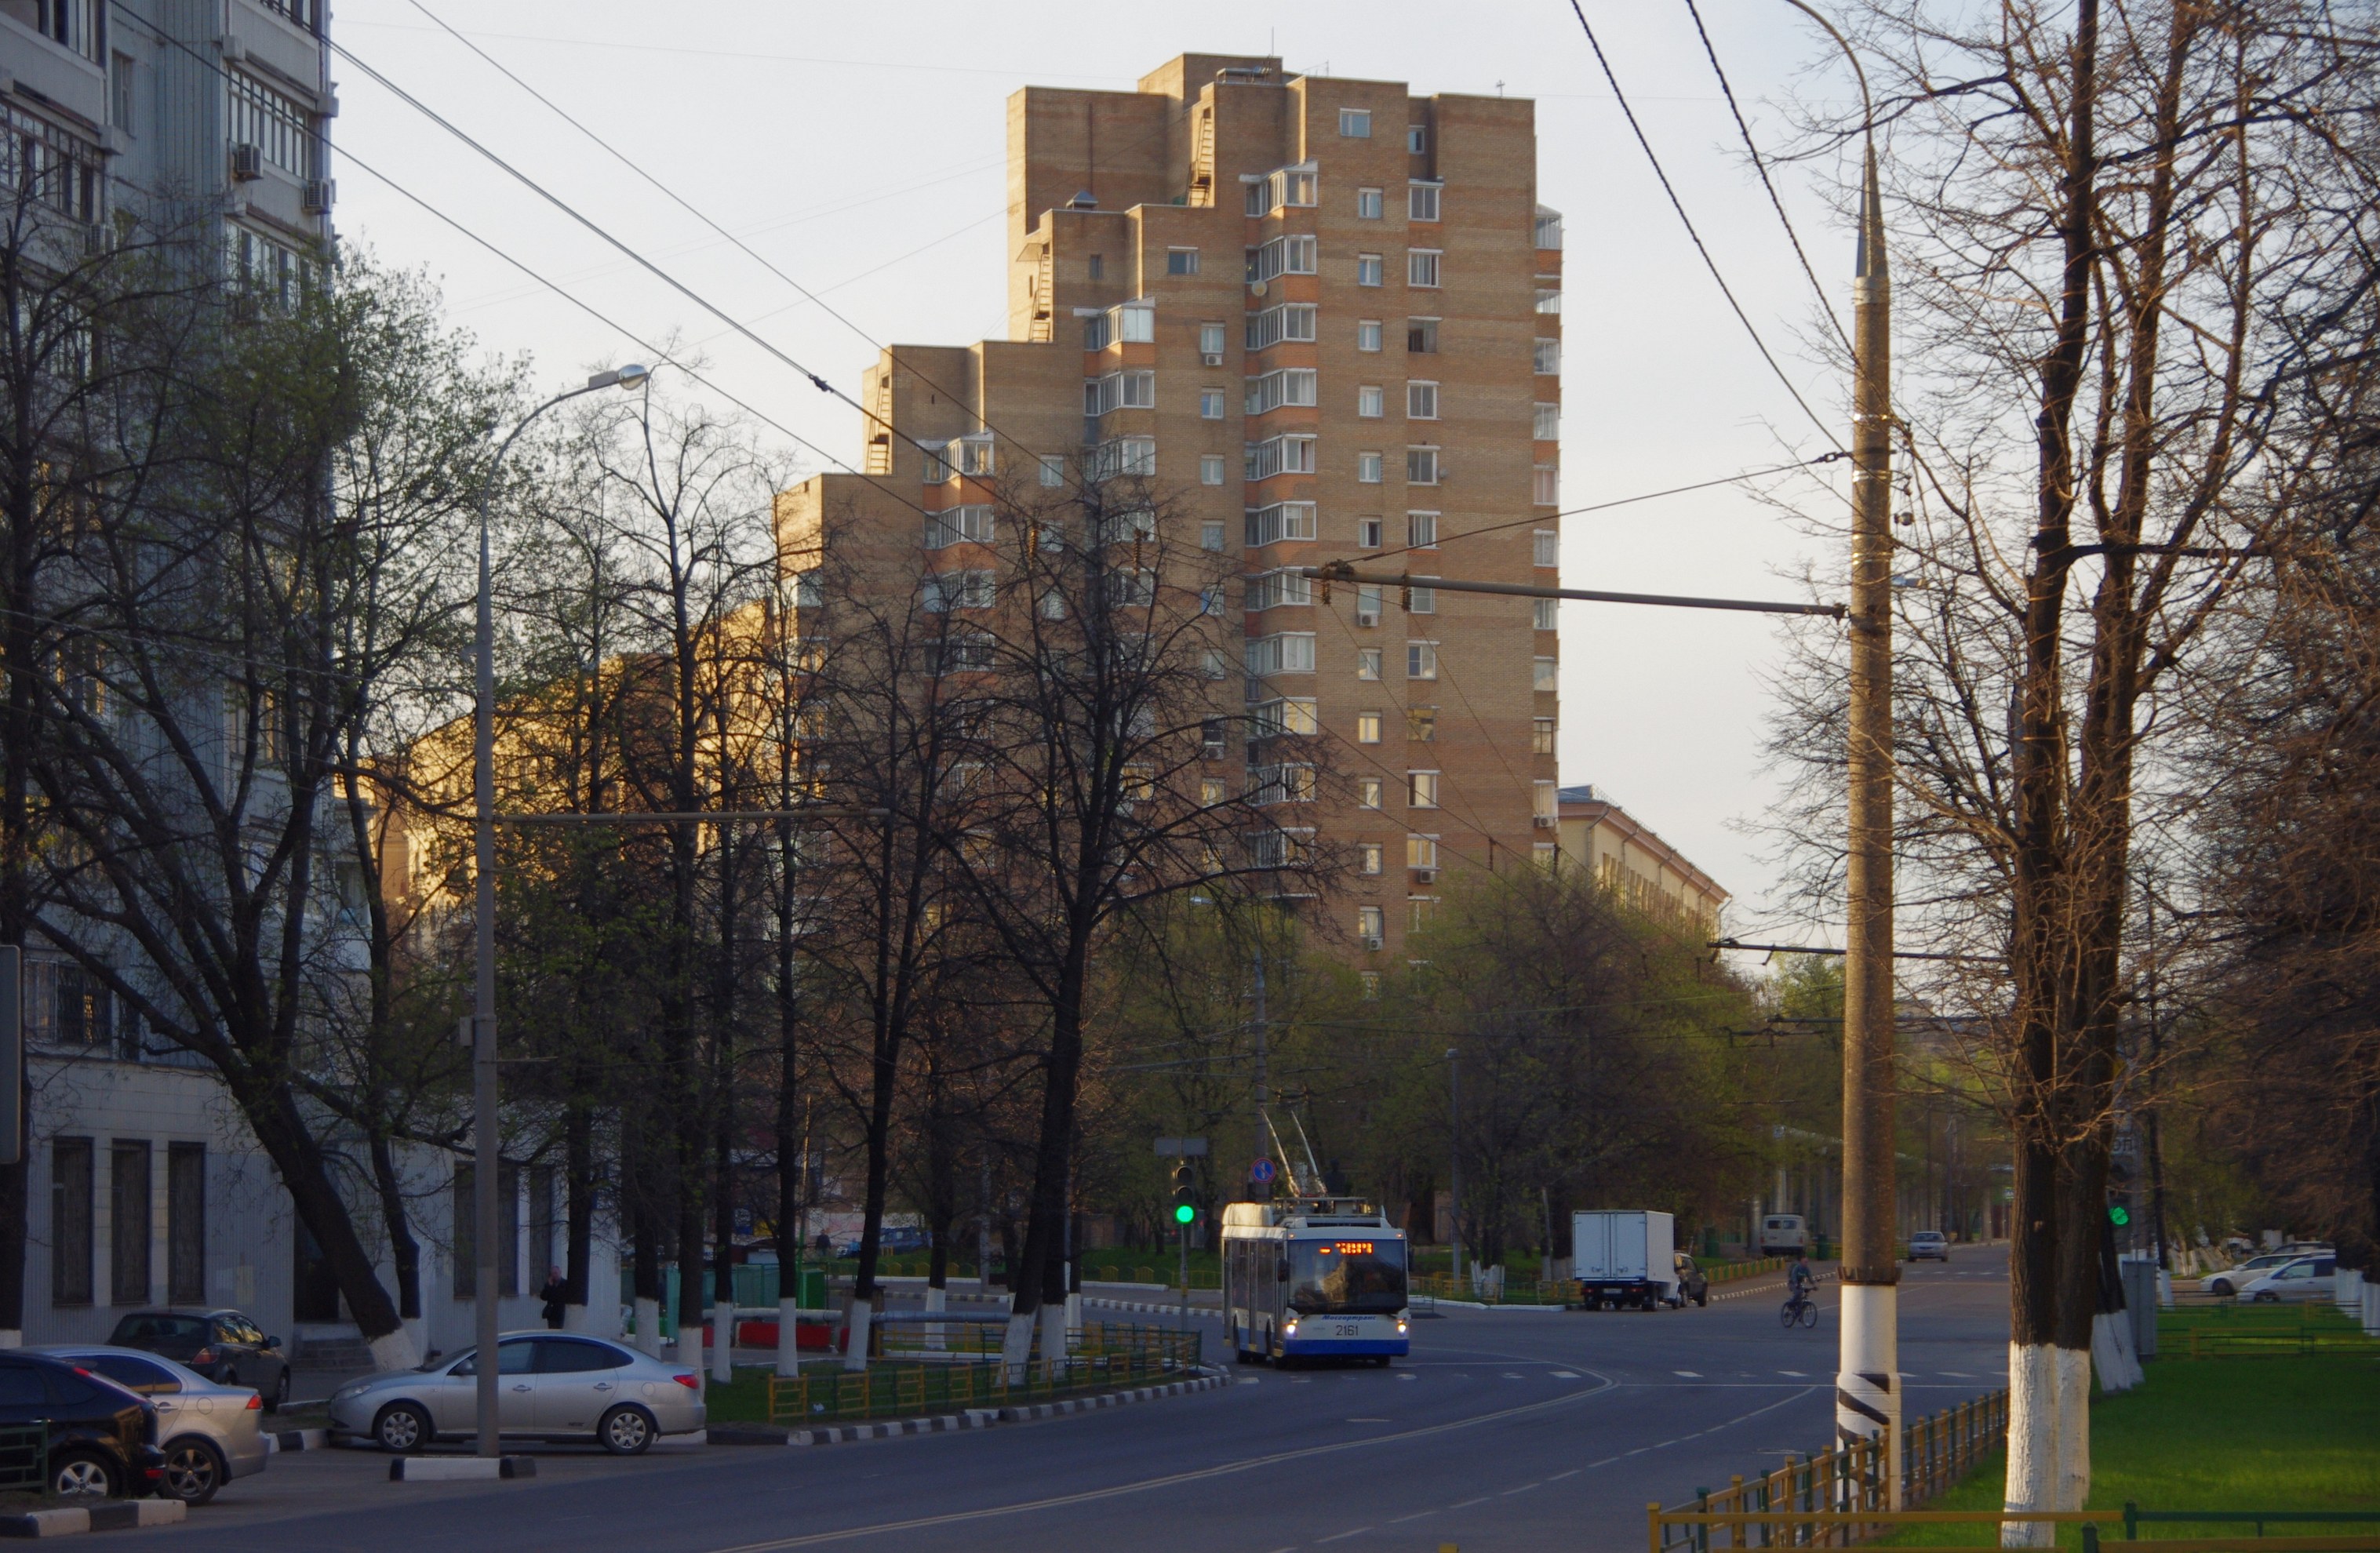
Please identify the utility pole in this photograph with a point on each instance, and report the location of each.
(1264, 1095)
(1867, 1389)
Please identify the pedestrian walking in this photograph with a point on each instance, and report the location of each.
(555, 1289)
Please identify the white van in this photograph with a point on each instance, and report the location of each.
(1784, 1234)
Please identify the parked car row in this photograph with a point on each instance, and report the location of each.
(2294, 1272)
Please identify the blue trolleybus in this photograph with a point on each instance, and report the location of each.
(1314, 1277)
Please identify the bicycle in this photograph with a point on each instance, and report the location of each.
(1799, 1307)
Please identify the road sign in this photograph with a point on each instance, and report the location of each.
(1261, 1172)
(1182, 1148)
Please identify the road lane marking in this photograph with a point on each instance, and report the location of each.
(1560, 1476)
(1565, 1375)
(1408, 1378)
(1959, 1375)
(1334, 1536)
(1522, 1489)
(1224, 1469)
(1468, 1503)
(1799, 1374)
(1415, 1516)
(1371, 1420)
(1690, 1375)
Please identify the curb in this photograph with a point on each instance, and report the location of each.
(459, 1469)
(1151, 1307)
(122, 1516)
(985, 1418)
(278, 1441)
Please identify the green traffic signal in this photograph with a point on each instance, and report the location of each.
(2120, 1215)
(1183, 1213)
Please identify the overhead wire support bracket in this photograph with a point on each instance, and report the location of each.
(1341, 571)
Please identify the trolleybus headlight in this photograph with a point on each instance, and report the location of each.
(1290, 1330)
(1400, 1326)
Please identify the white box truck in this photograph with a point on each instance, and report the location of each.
(1624, 1258)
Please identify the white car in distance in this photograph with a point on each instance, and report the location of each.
(2308, 1277)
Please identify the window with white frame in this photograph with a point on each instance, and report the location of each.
(1546, 423)
(1211, 535)
(945, 591)
(1546, 485)
(1541, 735)
(1367, 533)
(1279, 849)
(1421, 529)
(1280, 455)
(1053, 469)
(1370, 793)
(1545, 803)
(1256, 190)
(1421, 465)
(1419, 599)
(1416, 139)
(1292, 254)
(1127, 525)
(1545, 547)
(1368, 204)
(1368, 401)
(1284, 652)
(1421, 660)
(1367, 727)
(1546, 673)
(1368, 269)
(1210, 404)
(1421, 401)
(1293, 185)
(976, 455)
(935, 462)
(1550, 300)
(1133, 323)
(1213, 664)
(1421, 724)
(1420, 336)
(1421, 790)
(1211, 467)
(1367, 663)
(1545, 357)
(1180, 262)
(1355, 123)
(1125, 457)
(1371, 925)
(1270, 391)
(1287, 717)
(968, 525)
(1288, 321)
(1211, 339)
(1368, 604)
(1279, 588)
(1420, 199)
(1422, 266)
(1547, 613)
(1118, 391)
(1278, 522)
(1367, 334)
(1368, 468)
(1370, 858)
(1549, 228)
(1421, 852)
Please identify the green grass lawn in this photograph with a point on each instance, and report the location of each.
(2232, 1434)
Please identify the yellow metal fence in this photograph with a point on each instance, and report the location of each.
(1110, 1355)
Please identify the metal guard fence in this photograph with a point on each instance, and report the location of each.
(1826, 1501)
(24, 1458)
(1111, 1356)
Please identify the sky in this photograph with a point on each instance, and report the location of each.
(861, 150)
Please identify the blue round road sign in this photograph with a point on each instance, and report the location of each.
(1261, 1171)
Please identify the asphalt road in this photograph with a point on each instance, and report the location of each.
(1505, 1430)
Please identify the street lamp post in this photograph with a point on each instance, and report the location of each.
(485, 1143)
(1454, 1167)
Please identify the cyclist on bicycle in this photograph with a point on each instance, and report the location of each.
(1798, 1279)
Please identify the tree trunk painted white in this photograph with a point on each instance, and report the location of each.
(1074, 1321)
(1053, 1334)
(1016, 1345)
(2032, 1442)
(649, 1327)
(937, 1301)
(723, 1352)
(1867, 1387)
(789, 1352)
(689, 1342)
(395, 1351)
(2371, 1310)
(2165, 1290)
(10, 1337)
(856, 1317)
(2347, 1289)
(2073, 1428)
(2107, 1355)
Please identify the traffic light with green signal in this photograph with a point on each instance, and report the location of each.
(1184, 1191)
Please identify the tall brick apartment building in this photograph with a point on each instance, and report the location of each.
(1323, 317)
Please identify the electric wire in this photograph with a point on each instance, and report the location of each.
(1678, 205)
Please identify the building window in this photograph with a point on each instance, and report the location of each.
(1278, 522)
(1294, 185)
(1288, 385)
(1285, 652)
(1367, 663)
(1421, 852)
(945, 591)
(1102, 395)
(1053, 469)
(1290, 320)
(1367, 604)
(1210, 404)
(1544, 485)
(1125, 457)
(1368, 269)
(275, 123)
(1545, 854)
(1421, 401)
(968, 525)
(1368, 793)
(1210, 341)
(1293, 254)
(1367, 204)
(1421, 200)
(1421, 660)
(1421, 724)
(1211, 535)
(1369, 400)
(1180, 262)
(186, 1223)
(1544, 616)
(1546, 424)
(1097, 264)
(1416, 139)
(71, 1221)
(128, 1204)
(1369, 858)
(119, 90)
(1421, 266)
(1421, 465)
(1213, 665)
(1547, 356)
(1545, 547)
(1549, 228)
(1420, 336)
(1210, 469)
(1421, 790)
(1289, 716)
(1371, 926)
(1369, 984)
(1368, 468)
(1367, 334)
(1355, 123)
(1550, 300)
(1541, 735)
(1210, 790)
(1421, 529)
(1367, 727)
(1280, 456)
(1420, 599)
(1544, 675)
(1545, 804)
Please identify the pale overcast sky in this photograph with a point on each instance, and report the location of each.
(861, 148)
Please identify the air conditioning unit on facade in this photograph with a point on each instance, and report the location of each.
(1211, 358)
(1425, 875)
(321, 193)
(1374, 942)
(247, 163)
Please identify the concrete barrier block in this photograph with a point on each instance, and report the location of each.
(45, 1522)
(460, 1468)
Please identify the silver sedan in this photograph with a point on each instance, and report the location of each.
(550, 1385)
(211, 1433)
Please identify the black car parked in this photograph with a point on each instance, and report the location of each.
(102, 1438)
(223, 1345)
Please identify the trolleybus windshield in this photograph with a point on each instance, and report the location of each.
(1347, 1277)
